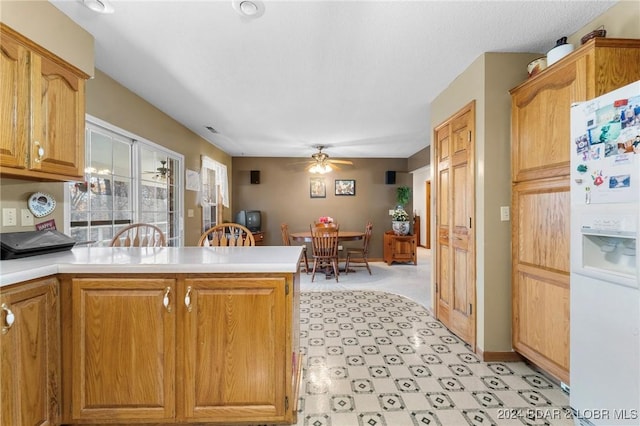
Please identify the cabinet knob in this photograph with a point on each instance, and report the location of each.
(9, 318)
(187, 299)
(40, 152)
(165, 300)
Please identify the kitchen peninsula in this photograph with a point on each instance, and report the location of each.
(152, 335)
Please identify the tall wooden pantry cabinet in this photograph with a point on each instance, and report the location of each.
(540, 147)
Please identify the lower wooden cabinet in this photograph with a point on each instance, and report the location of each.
(400, 248)
(182, 349)
(123, 344)
(234, 346)
(540, 283)
(30, 354)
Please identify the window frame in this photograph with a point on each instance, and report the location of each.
(138, 143)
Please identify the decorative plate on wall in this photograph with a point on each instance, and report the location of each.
(41, 204)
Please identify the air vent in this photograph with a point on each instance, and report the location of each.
(211, 129)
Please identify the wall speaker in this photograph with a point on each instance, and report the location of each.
(390, 177)
(255, 176)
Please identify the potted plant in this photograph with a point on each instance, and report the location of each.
(400, 218)
(403, 194)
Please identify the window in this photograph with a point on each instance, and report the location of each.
(127, 180)
(215, 191)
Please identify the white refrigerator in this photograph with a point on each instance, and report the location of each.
(605, 267)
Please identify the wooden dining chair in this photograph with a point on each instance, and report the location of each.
(139, 235)
(286, 240)
(324, 244)
(227, 234)
(359, 256)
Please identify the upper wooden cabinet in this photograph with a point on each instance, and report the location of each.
(30, 354)
(43, 107)
(541, 105)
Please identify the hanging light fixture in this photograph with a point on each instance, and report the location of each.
(320, 168)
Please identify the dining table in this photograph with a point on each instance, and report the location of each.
(305, 236)
(342, 236)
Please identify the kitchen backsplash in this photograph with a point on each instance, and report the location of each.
(14, 194)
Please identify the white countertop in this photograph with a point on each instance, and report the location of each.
(135, 260)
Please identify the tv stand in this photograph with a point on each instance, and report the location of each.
(259, 237)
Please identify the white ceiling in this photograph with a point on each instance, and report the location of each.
(355, 76)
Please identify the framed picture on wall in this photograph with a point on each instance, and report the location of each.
(345, 187)
(317, 188)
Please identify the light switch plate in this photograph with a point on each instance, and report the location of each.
(26, 218)
(9, 217)
(391, 212)
(504, 213)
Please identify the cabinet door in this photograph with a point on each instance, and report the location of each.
(29, 354)
(235, 349)
(403, 248)
(14, 86)
(123, 350)
(58, 98)
(540, 122)
(541, 274)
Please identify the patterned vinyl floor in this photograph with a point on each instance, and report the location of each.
(373, 358)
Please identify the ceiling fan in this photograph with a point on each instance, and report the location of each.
(321, 163)
(161, 172)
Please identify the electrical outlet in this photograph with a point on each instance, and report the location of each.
(391, 212)
(27, 217)
(504, 213)
(339, 247)
(9, 217)
(189, 212)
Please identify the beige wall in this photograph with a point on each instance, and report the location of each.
(420, 159)
(283, 195)
(621, 21)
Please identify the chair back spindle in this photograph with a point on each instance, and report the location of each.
(139, 235)
(227, 234)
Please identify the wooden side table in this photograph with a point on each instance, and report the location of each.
(259, 237)
(400, 248)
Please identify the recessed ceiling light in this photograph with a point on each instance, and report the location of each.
(248, 8)
(98, 6)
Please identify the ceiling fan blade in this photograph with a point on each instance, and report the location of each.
(341, 162)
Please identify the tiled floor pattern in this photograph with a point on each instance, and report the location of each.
(373, 358)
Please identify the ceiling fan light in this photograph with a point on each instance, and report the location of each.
(320, 168)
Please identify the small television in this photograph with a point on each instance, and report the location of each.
(251, 219)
